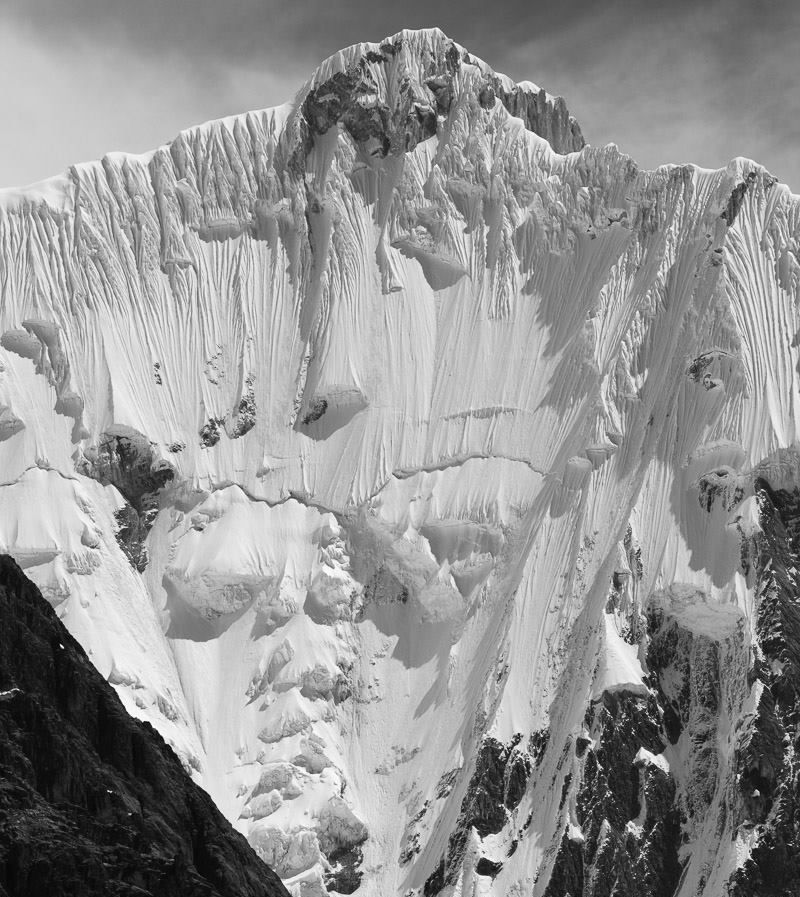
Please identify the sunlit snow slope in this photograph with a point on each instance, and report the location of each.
(404, 461)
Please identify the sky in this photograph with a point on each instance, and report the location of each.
(666, 80)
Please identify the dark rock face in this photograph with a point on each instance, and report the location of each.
(630, 827)
(351, 99)
(127, 461)
(546, 116)
(346, 875)
(692, 703)
(93, 802)
(496, 788)
(632, 814)
(501, 774)
(318, 408)
(769, 771)
(736, 199)
(243, 419)
(210, 432)
(692, 686)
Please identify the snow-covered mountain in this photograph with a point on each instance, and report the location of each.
(428, 479)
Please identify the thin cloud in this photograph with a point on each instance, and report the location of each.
(311, 29)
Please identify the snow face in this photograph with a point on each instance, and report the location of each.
(399, 399)
(619, 668)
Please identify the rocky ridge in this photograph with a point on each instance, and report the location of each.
(93, 802)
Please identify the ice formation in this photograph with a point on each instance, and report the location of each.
(426, 478)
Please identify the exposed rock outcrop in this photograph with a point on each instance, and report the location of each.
(126, 460)
(768, 766)
(93, 802)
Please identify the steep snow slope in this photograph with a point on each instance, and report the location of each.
(397, 455)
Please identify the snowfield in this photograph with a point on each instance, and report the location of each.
(356, 440)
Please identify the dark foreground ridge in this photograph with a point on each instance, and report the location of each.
(92, 801)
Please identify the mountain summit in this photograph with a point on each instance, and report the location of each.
(428, 479)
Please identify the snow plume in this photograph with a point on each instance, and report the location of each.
(396, 455)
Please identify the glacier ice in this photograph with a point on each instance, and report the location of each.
(394, 434)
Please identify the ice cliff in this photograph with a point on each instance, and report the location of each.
(428, 479)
